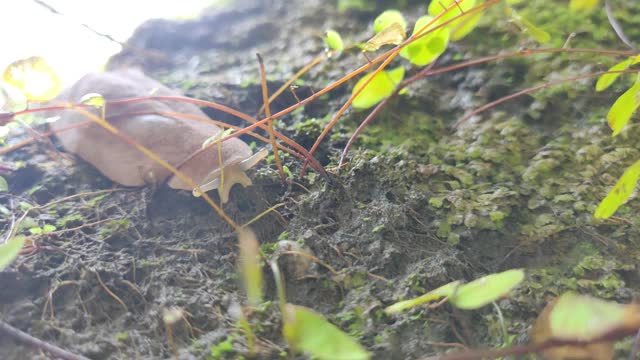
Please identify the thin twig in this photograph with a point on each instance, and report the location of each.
(29, 340)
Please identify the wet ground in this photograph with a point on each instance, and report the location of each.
(418, 205)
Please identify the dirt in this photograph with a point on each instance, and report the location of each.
(417, 206)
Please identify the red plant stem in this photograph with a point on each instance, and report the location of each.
(394, 52)
(29, 340)
(230, 111)
(531, 348)
(215, 122)
(532, 89)
(426, 72)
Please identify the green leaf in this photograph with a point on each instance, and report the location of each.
(48, 228)
(307, 331)
(623, 108)
(4, 186)
(486, 290)
(438, 6)
(333, 40)
(605, 80)
(380, 87)
(388, 18)
(9, 250)
(427, 48)
(433, 295)
(620, 192)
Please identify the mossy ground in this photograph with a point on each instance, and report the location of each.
(417, 206)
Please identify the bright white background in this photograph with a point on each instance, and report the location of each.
(29, 29)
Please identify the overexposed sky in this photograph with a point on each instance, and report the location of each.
(29, 29)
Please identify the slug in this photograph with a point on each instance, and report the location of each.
(172, 139)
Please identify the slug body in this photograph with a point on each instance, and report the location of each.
(173, 139)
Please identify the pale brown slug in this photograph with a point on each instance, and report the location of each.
(172, 139)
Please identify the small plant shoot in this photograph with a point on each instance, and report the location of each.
(433, 295)
(379, 88)
(333, 40)
(470, 296)
(308, 332)
(486, 290)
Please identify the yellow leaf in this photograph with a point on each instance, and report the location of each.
(309, 332)
(620, 192)
(583, 5)
(388, 18)
(623, 108)
(391, 35)
(34, 77)
(605, 80)
(379, 88)
(466, 25)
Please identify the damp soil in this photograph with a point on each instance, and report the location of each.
(418, 204)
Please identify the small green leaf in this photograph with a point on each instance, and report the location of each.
(620, 192)
(93, 99)
(333, 40)
(9, 250)
(380, 87)
(4, 186)
(48, 228)
(307, 331)
(427, 48)
(433, 295)
(486, 290)
(35, 230)
(388, 18)
(623, 108)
